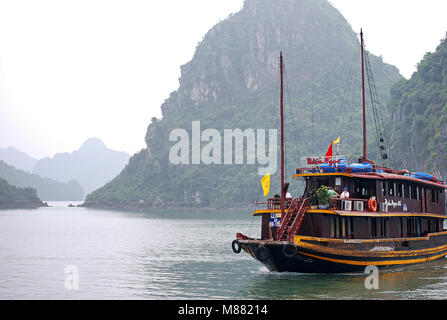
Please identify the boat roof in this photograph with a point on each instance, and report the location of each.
(372, 175)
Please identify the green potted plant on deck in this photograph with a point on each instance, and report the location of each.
(323, 198)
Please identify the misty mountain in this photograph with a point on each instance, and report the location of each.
(233, 81)
(18, 159)
(47, 189)
(93, 165)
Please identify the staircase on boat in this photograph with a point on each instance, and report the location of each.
(293, 219)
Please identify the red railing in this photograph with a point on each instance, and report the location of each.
(334, 204)
(274, 203)
(293, 219)
(288, 216)
(299, 219)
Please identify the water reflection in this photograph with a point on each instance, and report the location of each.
(425, 281)
(168, 254)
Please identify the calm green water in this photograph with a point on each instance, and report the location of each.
(168, 255)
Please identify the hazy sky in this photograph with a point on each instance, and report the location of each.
(71, 70)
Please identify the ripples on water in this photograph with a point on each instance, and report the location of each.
(183, 254)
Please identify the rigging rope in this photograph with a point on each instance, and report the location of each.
(379, 122)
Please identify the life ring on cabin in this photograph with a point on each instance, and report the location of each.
(372, 205)
(262, 253)
(236, 246)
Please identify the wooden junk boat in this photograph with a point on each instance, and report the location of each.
(392, 218)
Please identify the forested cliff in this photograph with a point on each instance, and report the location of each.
(12, 197)
(419, 115)
(233, 82)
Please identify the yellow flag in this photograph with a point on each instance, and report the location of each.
(266, 184)
(337, 141)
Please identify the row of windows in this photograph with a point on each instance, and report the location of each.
(408, 190)
(343, 227)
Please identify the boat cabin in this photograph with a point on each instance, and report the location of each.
(393, 193)
(404, 206)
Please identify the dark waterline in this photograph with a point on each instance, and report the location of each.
(169, 254)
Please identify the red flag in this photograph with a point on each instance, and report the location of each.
(329, 153)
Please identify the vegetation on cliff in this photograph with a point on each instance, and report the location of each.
(12, 197)
(419, 114)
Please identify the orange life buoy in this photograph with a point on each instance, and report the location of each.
(372, 205)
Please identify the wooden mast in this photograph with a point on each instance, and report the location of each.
(365, 157)
(282, 136)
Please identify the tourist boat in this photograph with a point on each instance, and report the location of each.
(392, 218)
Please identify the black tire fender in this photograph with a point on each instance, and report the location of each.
(289, 250)
(262, 253)
(236, 246)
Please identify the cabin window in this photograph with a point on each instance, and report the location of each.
(391, 188)
(373, 228)
(414, 227)
(413, 192)
(338, 182)
(383, 225)
(332, 227)
(437, 195)
(419, 193)
(411, 227)
(350, 227)
(433, 195)
(343, 227)
(337, 227)
(406, 192)
(401, 227)
(399, 190)
(384, 187)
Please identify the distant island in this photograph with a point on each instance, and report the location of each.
(47, 189)
(92, 165)
(12, 197)
(66, 176)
